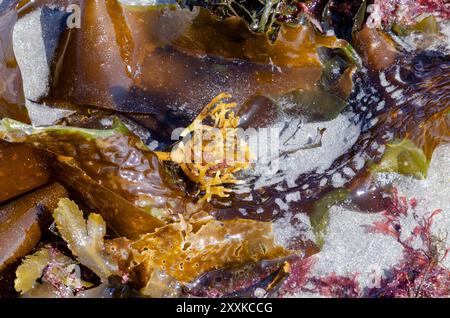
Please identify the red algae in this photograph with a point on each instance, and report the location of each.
(419, 274)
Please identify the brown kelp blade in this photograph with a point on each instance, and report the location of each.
(111, 161)
(22, 222)
(22, 169)
(121, 216)
(114, 157)
(187, 251)
(162, 59)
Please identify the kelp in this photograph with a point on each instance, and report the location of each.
(161, 285)
(434, 131)
(427, 126)
(115, 158)
(23, 222)
(427, 25)
(421, 35)
(62, 275)
(85, 238)
(166, 60)
(114, 208)
(367, 194)
(31, 270)
(376, 48)
(187, 249)
(404, 158)
(19, 176)
(193, 58)
(165, 260)
(360, 18)
(323, 103)
(294, 46)
(408, 99)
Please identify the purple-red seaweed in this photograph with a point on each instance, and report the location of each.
(419, 274)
